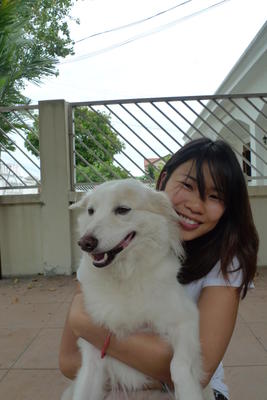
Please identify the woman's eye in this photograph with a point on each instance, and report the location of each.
(122, 210)
(91, 211)
(186, 185)
(214, 197)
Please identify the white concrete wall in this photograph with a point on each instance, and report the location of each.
(22, 235)
(21, 241)
(258, 201)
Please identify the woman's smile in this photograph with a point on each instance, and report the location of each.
(187, 223)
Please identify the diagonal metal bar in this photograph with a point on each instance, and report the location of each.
(24, 169)
(119, 134)
(4, 179)
(84, 175)
(135, 133)
(15, 144)
(18, 132)
(235, 134)
(97, 158)
(170, 120)
(187, 121)
(239, 124)
(99, 145)
(159, 125)
(105, 151)
(89, 165)
(256, 108)
(30, 130)
(127, 141)
(13, 173)
(32, 116)
(218, 134)
(249, 117)
(147, 129)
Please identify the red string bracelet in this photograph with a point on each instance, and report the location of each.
(105, 345)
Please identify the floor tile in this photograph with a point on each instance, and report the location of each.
(43, 351)
(244, 349)
(259, 329)
(36, 290)
(26, 315)
(3, 372)
(33, 385)
(253, 310)
(57, 319)
(13, 342)
(247, 383)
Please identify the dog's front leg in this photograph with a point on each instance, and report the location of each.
(186, 363)
(89, 384)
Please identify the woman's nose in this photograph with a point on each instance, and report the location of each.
(195, 204)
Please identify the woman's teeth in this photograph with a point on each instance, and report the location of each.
(188, 220)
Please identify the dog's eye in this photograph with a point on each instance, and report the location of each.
(122, 210)
(91, 211)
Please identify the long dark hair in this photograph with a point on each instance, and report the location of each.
(235, 234)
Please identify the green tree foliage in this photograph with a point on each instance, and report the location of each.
(33, 33)
(96, 144)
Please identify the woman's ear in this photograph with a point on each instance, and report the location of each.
(162, 178)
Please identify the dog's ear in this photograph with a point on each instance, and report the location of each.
(159, 203)
(81, 203)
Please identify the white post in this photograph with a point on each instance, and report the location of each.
(55, 178)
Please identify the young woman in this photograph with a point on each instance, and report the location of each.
(208, 191)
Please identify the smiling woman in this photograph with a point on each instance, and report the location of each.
(207, 188)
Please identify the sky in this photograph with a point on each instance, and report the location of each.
(187, 50)
(168, 48)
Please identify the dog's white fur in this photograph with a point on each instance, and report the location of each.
(138, 289)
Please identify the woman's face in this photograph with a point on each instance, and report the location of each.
(197, 216)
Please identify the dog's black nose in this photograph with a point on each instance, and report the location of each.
(88, 243)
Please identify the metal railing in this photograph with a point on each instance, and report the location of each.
(19, 157)
(152, 129)
(133, 138)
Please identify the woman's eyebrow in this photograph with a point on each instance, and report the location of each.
(190, 177)
(213, 188)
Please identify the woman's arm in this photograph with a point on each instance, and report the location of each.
(69, 354)
(218, 306)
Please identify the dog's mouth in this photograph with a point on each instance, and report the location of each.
(103, 259)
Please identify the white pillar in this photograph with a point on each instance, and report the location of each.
(55, 178)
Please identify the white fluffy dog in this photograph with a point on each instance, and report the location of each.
(128, 272)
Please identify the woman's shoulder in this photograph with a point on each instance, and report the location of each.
(215, 277)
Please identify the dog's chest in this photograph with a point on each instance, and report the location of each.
(121, 308)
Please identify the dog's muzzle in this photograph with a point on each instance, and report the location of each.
(89, 244)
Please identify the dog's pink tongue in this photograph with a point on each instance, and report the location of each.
(127, 240)
(98, 256)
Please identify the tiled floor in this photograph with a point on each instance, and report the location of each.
(32, 313)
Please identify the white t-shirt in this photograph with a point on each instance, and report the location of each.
(215, 278)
